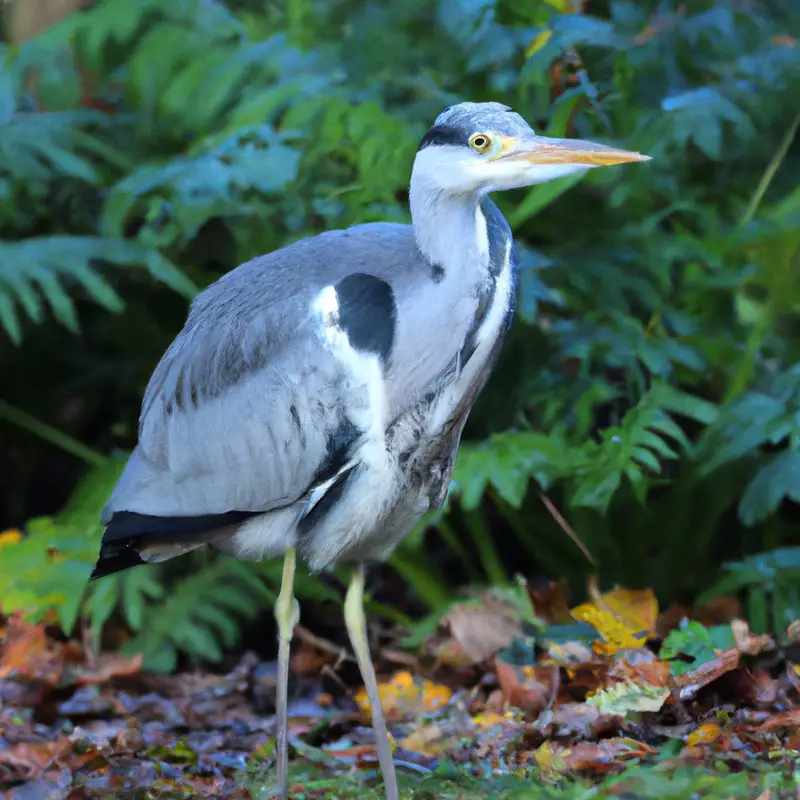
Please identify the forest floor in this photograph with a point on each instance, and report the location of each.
(609, 699)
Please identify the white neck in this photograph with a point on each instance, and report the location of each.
(450, 228)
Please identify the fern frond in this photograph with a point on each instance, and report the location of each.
(42, 271)
(200, 614)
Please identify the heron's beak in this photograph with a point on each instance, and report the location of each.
(544, 150)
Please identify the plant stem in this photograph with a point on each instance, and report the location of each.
(769, 173)
(424, 583)
(479, 531)
(22, 419)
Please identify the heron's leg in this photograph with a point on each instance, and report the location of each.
(287, 613)
(357, 630)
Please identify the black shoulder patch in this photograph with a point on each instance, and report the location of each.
(443, 134)
(367, 313)
(437, 273)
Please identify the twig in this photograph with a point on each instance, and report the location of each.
(305, 635)
(565, 526)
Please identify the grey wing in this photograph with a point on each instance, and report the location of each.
(238, 417)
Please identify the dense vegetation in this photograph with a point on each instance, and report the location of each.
(651, 386)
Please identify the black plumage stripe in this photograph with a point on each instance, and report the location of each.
(127, 524)
(127, 532)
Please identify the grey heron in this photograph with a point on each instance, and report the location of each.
(314, 401)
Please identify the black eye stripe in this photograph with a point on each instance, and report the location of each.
(443, 134)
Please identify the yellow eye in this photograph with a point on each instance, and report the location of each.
(480, 142)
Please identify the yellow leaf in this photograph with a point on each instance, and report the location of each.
(403, 695)
(625, 618)
(562, 6)
(11, 536)
(551, 759)
(427, 739)
(538, 42)
(487, 720)
(705, 734)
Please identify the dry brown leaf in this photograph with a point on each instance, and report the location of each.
(33, 757)
(686, 686)
(581, 721)
(749, 643)
(597, 757)
(527, 688)
(785, 719)
(107, 667)
(550, 603)
(478, 632)
(29, 654)
(639, 666)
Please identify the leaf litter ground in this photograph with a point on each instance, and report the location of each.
(609, 699)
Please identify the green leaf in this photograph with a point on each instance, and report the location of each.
(776, 481)
(695, 641)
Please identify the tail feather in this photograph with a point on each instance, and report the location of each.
(112, 559)
(131, 539)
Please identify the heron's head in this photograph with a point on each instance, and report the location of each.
(486, 147)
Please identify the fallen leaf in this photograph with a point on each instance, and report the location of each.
(688, 684)
(406, 696)
(34, 757)
(623, 617)
(550, 758)
(523, 687)
(598, 757)
(627, 697)
(478, 631)
(107, 667)
(748, 643)
(426, 739)
(580, 721)
(705, 734)
(785, 719)
(639, 666)
(487, 720)
(29, 654)
(550, 603)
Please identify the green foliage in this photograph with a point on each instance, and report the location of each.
(650, 384)
(45, 575)
(696, 642)
(772, 584)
